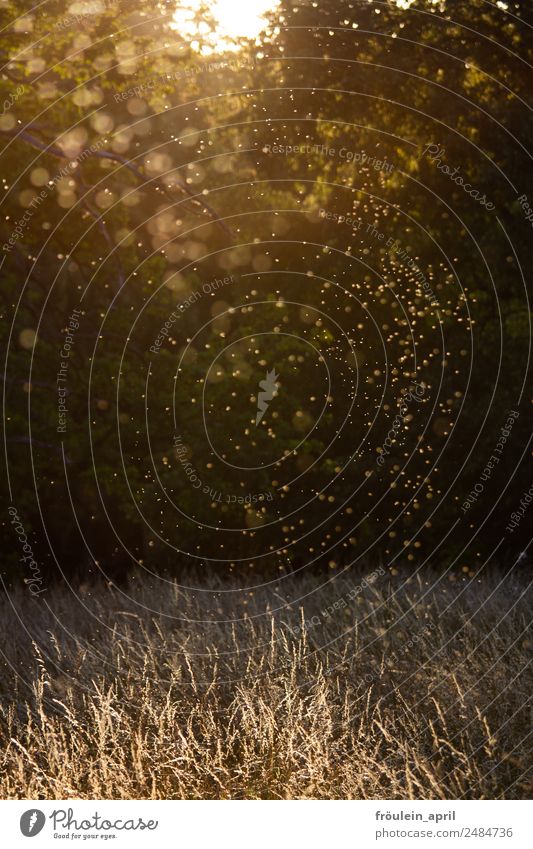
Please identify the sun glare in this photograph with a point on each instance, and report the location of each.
(233, 19)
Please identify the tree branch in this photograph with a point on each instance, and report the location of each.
(49, 147)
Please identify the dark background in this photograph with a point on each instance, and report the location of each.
(130, 230)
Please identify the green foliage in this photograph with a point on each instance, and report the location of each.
(155, 185)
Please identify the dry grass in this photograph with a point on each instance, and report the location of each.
(121, 702)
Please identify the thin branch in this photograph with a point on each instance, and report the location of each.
(49, 147)
(37, 443)
(100, 223)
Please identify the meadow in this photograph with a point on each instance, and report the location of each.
(402, 688)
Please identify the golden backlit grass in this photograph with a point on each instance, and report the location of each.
(150, 697)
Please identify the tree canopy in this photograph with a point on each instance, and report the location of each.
(330, 224)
